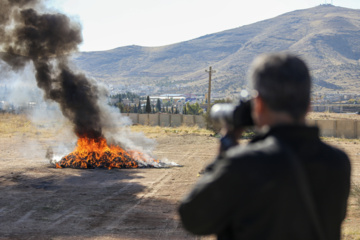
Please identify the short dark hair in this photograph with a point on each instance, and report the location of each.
(283, 82)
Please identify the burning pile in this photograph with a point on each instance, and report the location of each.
(45, 41)
(96, 153)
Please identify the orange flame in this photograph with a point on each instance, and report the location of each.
(96, 153)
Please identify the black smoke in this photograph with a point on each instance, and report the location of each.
(46, 40)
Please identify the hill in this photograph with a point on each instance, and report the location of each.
(327, 37)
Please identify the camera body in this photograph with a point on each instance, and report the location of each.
(233, 116)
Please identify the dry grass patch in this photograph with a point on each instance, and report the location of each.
(19, 124)
(340, 140)
(355, 193)
(153, 131)
(332, 116)
(11, 124)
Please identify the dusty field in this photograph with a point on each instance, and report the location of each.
(40, 202)
(333, 116)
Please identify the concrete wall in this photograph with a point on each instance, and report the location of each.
(176, 120)
(346, 129)
(328, 128)
(154, 119)
(134, 117)
(337, 128)
(165, 120)
(189, 120)
(144, 119)
(200, 121)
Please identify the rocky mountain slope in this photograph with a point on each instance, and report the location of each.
(327, 37)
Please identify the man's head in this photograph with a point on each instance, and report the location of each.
(283, 84)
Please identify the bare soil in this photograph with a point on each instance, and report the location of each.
(38, 201)
(333, 116)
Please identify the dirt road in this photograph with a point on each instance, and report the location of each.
(38, 201)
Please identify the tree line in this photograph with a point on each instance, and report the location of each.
(133, 103)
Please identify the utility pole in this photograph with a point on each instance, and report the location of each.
(210, 71)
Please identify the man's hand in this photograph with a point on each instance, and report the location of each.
(230, 138)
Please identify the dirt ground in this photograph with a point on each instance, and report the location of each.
(38, 201)
(333, 116)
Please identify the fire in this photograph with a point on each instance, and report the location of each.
(96, 153)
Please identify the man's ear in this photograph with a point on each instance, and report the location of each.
(259, 105)
(309, 108)
(259, 112)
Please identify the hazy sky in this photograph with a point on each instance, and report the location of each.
(108, 24)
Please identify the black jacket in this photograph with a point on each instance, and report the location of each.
(252, 193)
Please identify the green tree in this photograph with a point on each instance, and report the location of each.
(158, 105)
(120, 106)
(148, 106)
(193, 109)
(121, 96)
(126, 108)
(352, 101)
(139, 107)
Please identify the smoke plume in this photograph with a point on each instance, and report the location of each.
(46, 40)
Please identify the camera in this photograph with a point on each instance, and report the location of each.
(233, 116)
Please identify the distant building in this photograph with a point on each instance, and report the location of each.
(168, 97)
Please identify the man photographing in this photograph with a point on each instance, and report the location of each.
(286, 183)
